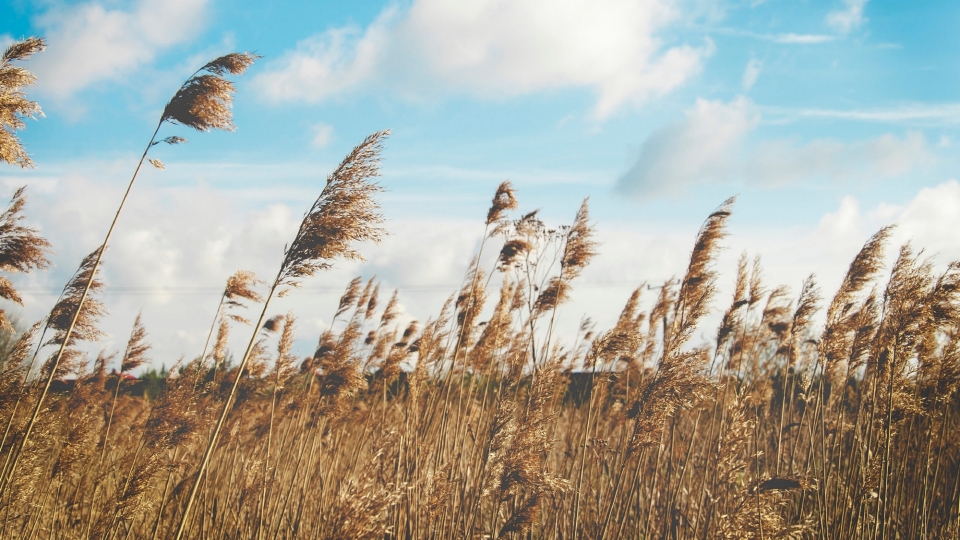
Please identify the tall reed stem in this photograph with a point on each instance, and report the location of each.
(185, 517)
(76, 315)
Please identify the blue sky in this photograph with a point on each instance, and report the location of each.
(827, 118)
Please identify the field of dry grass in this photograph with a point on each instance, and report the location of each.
(481, 422)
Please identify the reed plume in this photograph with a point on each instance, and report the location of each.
(838, 332)
(579, 247)
(504, 200)
(202, 103)
(239, 287)
(344, 213)
(75, 315)
(134, 356)
(699, 284)
(69, 312)
(349, 297)
(14, 105)
(21, 249)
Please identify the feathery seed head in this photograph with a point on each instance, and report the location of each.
(203, 101)
(344, 213)
(286, 361)
(863, 269)
(137, 347)
(511, 251)
(240, 285)
(580, 246)
(391, 311)
(220, 345)
(14, 106)
(62, 313)
(273, 323)
(21, 249)
(503, 200)
(372, 302)
(411, 329)
(699, 283)
(806, 305)
(555, 293)
(233, 63)
(22, 50)
(349, 296)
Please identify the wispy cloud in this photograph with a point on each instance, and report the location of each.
(710, 146)
(925, 113)
(322, 135)
(788, 38)
(92, 42)
(801, 39)
(495, 49)
(849, 18)
(751, 73)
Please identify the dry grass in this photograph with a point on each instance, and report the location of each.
(481, 423)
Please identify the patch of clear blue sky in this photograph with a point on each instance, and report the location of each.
(457, 147)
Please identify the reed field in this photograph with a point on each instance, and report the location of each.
(812, 414)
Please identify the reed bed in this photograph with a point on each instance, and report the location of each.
(482, 421)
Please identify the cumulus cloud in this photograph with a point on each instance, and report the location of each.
(849, 18)
(932, 218)
(93, 41)
(175, 246)
(698, 149)
(926, 221)
(495, 48)
(178, 240)
(710, 146)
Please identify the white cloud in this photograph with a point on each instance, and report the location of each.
(6, 40)
(709, 146)
(751, 73)
(322, 135)
(785, 162)
(170, 255)
(697, 149)
(175, 246)
(849, 18)
(927, 221)
(92, 41)
(928, 113)
(790, 38)
(932, 219)
(495, 48)
(178, 240)
(802, 39)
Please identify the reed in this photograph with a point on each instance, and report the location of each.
(485, 421)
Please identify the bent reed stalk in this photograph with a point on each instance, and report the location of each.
(202, 102)
(344, 213)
